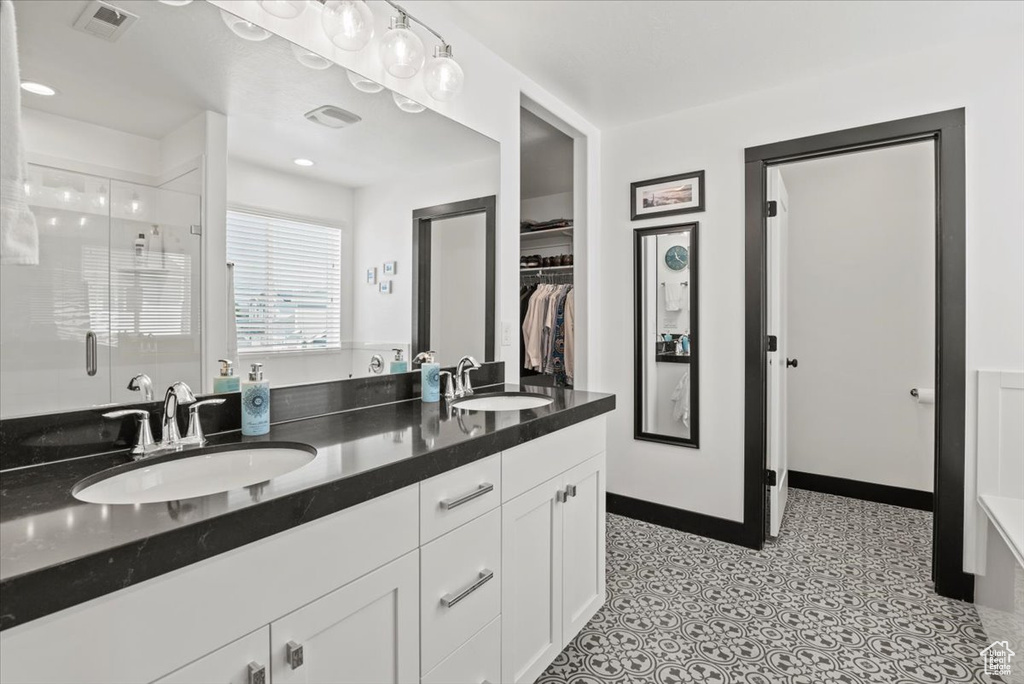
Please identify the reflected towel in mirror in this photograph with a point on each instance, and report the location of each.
(673, 296)
(681, 400)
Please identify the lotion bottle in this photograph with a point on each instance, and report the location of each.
(255, 403)
(227, 381)
(430, 376)
(399, 365)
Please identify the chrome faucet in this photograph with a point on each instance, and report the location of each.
(142, 383)
(463, 385)
(178, 394)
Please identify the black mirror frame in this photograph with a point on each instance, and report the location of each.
(639, 234)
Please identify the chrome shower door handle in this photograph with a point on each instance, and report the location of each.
(90, 353)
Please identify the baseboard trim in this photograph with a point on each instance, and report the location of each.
(865, 491)
(730, 531)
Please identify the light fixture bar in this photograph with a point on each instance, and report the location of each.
(409, 16)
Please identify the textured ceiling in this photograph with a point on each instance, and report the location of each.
(174, 62)
(617, 62)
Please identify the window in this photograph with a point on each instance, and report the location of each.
(287, 283)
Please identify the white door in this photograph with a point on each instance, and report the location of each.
(246, 661)
(777, 360)
(531, 590)
(583, 545)
(367, 632)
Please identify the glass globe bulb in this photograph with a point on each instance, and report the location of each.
(244, 29)
(284, 9)
(348, 23)
(407, 105)
(401, 50)
(363, 84)
(310, 59)
(443, 76)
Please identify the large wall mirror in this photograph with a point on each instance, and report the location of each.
(667, 344)
(186, 139)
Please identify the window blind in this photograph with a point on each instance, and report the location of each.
(287, 283)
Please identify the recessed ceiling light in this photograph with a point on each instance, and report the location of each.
(38, 88)
(303, 162)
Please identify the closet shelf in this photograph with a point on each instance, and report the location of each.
(546, 231)
(546, 268)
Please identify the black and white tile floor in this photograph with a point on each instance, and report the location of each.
(842, 596)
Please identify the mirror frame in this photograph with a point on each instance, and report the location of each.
(422, 220)
(639, 234)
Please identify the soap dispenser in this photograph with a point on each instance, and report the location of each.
(227, 381)
(399, 365)
(430, 373)
(255, 403)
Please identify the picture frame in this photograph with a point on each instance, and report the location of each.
(385, 287)
(389, 267)
(371, 276)
(682, 193)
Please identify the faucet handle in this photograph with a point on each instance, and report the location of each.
(448, 387)
(144, 437)
(467, 384)
(194, 433)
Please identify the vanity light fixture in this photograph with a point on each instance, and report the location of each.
(37, 88)
(303, 162)
(310, 59)
(401, 49)
(244, 29)
(284, 9)
(443, 76)
(407, 105)
(363, 84)
(348, 23)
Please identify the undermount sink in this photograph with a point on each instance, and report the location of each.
(505, 401)
(183, 476)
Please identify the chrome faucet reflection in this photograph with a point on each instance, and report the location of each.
(142, 383)
(178, 394)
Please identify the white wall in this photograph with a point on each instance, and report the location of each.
(546, 207)
(294, 196)
(861, 315)
(383, 232)
(490, 104)
(986, 78)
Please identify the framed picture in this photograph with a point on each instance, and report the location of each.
(681, 194)
(371, 276)
(385, 287)
(389, 267)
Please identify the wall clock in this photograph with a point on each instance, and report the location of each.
(677, 258)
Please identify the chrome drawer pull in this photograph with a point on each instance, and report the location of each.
(257, 674)
(449, 504)
(485, 576)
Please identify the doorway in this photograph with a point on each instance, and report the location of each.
(764, 490)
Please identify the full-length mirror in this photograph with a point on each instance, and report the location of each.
(202, 189)
(667, 344)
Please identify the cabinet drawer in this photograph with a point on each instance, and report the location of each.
(460, 586)
(456, 497)
(525, 466)
(476, 661)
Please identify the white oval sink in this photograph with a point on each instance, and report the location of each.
(209, 472)
(511, 401)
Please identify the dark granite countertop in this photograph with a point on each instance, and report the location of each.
(57, 552)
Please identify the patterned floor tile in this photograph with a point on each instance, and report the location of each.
(842, 596)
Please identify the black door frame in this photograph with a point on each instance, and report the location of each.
(421, 227)
(946, 130)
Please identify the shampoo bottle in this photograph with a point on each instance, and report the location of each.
(255, 403)
(227, 381)
(430, 370)
(399, 365)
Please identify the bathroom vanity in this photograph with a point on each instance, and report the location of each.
(422, 543)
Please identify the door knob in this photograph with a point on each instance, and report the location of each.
(791, 363)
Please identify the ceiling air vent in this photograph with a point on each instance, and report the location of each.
(333, 117)
(104, 21)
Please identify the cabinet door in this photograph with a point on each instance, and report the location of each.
(531, 600)
(583, 539)
(246, 661)
(367, 632)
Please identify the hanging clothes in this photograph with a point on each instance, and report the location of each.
(547, 314)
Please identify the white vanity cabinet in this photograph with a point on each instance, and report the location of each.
(482, 573)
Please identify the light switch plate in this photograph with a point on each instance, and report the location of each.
(506, 334)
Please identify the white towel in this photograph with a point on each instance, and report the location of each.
(681, 400)
(19, 238)
(673, 296)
